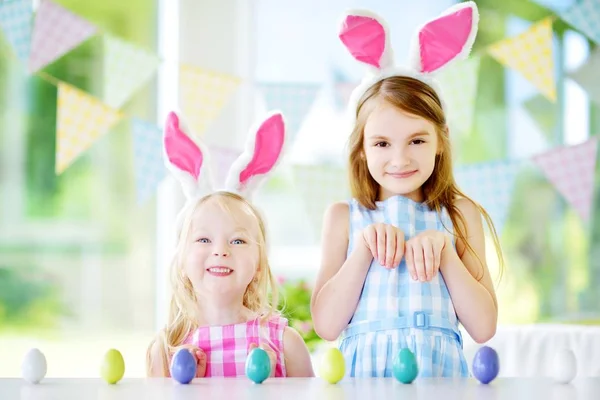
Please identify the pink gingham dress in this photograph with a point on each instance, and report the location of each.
(227, 346)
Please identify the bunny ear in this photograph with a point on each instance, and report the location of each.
(263, 150)
(185, 158)
(446, 38)
(366, 37)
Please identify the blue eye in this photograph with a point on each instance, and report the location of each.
(238, 241)
(203, 240)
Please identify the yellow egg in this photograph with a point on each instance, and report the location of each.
(333, 366)
(113, 366)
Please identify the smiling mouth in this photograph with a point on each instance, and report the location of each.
(402, 174)
(219, 271)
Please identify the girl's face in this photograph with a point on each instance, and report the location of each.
(222, 251)
(400, 151)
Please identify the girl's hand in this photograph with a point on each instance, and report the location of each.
(386, 243)
(424, 253)
(272, 355)
(199, 356)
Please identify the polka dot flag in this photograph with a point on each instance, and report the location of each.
(15, 22)
(530, 53)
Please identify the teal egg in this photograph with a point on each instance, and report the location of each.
(405, 367)
(258, 365)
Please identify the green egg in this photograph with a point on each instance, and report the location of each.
(113, 366)
(405, 367)
(333, 366)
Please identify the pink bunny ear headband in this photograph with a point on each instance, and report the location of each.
(437, 44)
(188, 159)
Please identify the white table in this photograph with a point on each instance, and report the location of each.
(300, 388)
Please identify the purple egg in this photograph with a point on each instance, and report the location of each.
(183, 366)
(486, 365)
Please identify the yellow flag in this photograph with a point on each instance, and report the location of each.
(203, 95)
(530, 53)
(81, 120)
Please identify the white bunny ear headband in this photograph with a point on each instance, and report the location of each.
(437, 44)
(188, 159)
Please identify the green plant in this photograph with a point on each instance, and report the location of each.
(295, 305)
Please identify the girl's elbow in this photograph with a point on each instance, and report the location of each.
(485, 334)
(325, 330)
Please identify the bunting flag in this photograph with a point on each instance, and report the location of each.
(15, 22)
(490, 184)
(126, 68)
(544, 113)
(584, 15)
(148, 158)
(292, 99)
(571, 169)
(587, 76)
(342, 88)
(319, 186)
(221, 159)
(203, 95)
(81, 120)
(459, 88)
(56, 31)
(530, 53)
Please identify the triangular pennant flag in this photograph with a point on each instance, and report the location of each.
(56, 31)
(530, 53)
(81, 120)
(571, 170)
(544, 113)
(148, 158)
(293, 99)
(319, 186)
(490, 184)
(459, 88)
(126, 68)
(584, 15)
(15, 22)
(203, 95)
(587, 76)
(221, 159)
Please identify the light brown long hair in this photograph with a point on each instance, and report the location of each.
(440, 190)
(261, 295)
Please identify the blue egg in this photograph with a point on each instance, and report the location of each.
(183, 366)
(258, 365)
(486, 364)
(405, 368)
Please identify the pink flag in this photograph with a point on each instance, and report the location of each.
(571, 170)
(56, 31)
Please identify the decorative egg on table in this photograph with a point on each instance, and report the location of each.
(113, 366)
(183, 366)
(564, 367)
(405, 368)
(332, 367)
(34, 366)
(486, 365)
(258, 365)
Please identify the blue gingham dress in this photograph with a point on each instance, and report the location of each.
(394, 311)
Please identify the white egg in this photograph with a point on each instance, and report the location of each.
(565, 366)
(34, 366)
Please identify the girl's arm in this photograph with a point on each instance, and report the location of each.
(474, 300)
(340, 279)
(297, 358)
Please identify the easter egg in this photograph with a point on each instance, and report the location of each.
(564, 367)
(113, 366)
(258, 365)
(486, 364)
(405, 368)
(34, 367)
(183, 366)
(332, 367)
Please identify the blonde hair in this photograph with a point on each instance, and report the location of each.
(261, 295)
(440, 190)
